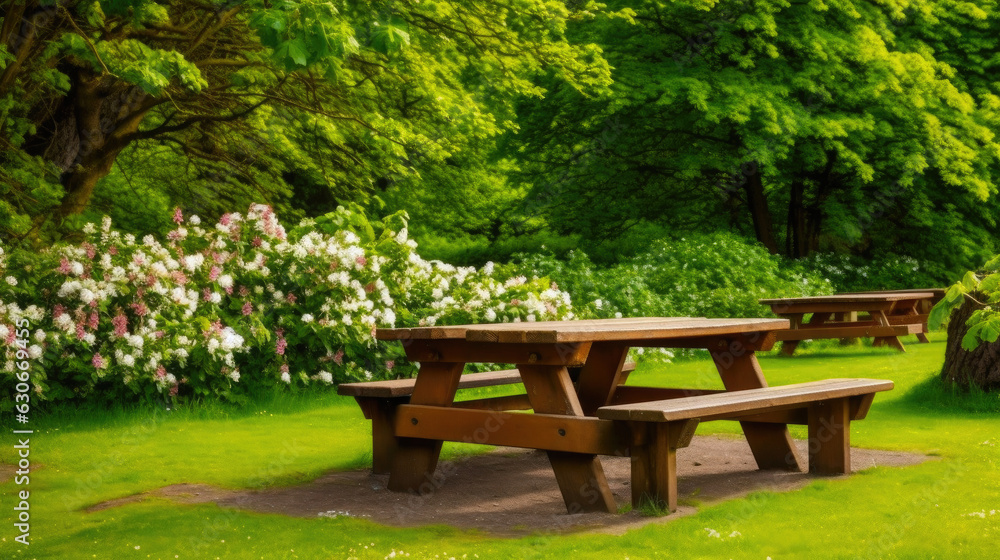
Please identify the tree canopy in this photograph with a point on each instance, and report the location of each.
(818, 126)
(252, 100)
(809, 125)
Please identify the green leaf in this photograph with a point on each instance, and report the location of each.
(297, 51)
(971, 339)
(952, 299)
(970, 281)
(391, 36)
(990, 284)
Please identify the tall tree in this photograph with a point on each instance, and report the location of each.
(808, 125)
(371, 85)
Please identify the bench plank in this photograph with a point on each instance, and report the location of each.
(404, 387)
(659, 428)
(392, 388)
(731, 402)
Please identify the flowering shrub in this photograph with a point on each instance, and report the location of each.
(213, 310)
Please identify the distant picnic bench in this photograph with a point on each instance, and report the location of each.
(883, 315)
(573, 374)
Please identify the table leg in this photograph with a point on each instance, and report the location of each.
(414, 460)
(600, 375)
(893, 341)
(771, 443)
(816, 320)
(847, 317)
(382, 412)
(794, 322)
(913, 310)
(580, 476)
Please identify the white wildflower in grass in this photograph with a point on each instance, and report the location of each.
(127, 360)
(286, 378)
(89, 338)
(11, 280)
(235, 375)
(226, 281)
(326, 377)
(194, 220)
(89, 228)
(34, 351)
(307, 318)
(39, 335)
(4, 331)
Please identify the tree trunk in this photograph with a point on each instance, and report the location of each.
(84, 135)
(796, 237)
(980, 367)
(759, 211)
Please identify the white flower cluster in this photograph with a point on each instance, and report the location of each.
(139, 310)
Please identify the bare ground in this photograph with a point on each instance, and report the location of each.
(513, 491)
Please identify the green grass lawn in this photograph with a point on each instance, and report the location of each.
(915, 512)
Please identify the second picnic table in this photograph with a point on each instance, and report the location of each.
(883, 315)
(575, 421)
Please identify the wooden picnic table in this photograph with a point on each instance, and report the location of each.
(883, 315)
(564, 422)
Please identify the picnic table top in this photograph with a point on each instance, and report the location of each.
(938, 293)
(592, 330)
(875, 297)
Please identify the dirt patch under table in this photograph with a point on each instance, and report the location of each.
(514, 492)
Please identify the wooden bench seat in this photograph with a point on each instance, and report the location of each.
(659, 428)
(379, 399)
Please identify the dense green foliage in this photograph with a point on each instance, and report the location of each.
(651, 158)
(839, 127)
(300, 103)
(812, 126)
(713, 275)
